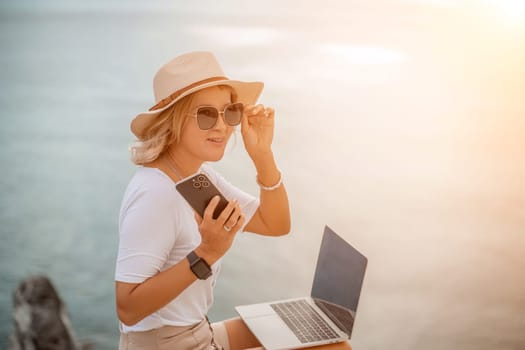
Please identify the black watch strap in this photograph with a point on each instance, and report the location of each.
(199, 266)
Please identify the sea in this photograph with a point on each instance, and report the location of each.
(399, 124)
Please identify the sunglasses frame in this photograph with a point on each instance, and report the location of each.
(219, 113)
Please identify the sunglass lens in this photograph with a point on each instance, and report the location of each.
(207, 117)
(233, 114)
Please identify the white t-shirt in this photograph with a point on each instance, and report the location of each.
(157, 230)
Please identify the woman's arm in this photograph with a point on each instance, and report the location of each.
(135, 301)
(273, 215)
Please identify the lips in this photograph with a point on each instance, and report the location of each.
(216, 139)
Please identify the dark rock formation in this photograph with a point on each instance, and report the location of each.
(40, 318)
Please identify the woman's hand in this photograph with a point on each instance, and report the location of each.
(257, 130)
(217, 234)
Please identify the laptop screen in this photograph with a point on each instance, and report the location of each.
(338, 280)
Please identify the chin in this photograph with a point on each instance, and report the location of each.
(215, 157)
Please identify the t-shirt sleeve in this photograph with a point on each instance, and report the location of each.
(147, 232)
(248, 203)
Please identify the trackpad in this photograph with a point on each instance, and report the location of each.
(271, 331)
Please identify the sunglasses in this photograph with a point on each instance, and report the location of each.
(207, 116)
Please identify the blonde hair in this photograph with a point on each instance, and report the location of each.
(165, 129)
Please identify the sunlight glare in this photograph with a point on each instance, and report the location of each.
(513, 11)
(237, 35)
(363, 55)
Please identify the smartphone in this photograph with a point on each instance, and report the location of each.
(198, 191)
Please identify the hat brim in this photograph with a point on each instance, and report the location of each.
(247, 93)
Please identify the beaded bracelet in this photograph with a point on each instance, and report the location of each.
(270, 188)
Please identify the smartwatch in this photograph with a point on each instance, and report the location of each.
(199, 266)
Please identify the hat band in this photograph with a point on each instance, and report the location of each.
(166, 101)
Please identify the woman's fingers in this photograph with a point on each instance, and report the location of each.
(239, 223)
(233, 219)
(227, 212)
(263, 119)
(198, 218)
(217, 234)
(227, 218)
(253, 110)
(269, 112)
(210, 209)
(258, 111)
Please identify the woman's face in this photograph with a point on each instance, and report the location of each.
(206, 145)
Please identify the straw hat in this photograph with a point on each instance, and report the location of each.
(184, 75)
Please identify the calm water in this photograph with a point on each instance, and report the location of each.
(401, 125)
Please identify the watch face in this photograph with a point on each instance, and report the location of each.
(201, 269)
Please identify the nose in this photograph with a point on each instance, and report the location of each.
(221, 123)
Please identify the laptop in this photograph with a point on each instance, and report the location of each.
(327, 316)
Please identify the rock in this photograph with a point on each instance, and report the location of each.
(40, 318)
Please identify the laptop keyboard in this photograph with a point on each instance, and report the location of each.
(344, 316)
(304, 321)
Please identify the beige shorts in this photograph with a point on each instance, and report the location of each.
(193, 337)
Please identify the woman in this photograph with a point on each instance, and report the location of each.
(169, 256)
